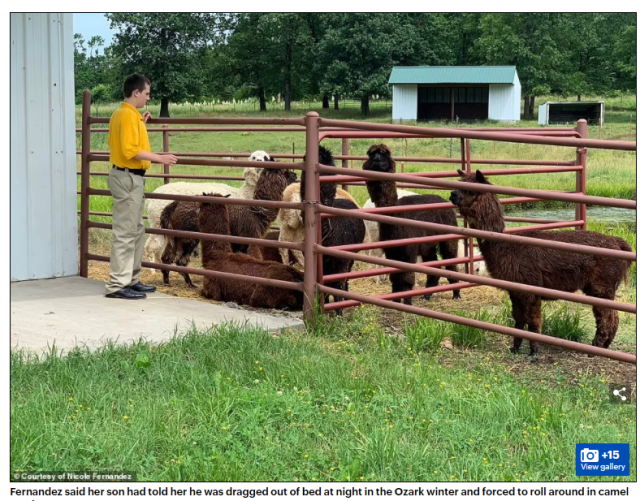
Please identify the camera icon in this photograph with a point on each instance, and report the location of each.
(589, 456)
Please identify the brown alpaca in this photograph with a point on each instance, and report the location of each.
(385, 194)
(254, 221)
(246, 221)
(565, 271)
(217, 256)
(179, 216)
(273, 253)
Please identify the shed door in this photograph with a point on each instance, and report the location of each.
(469, 103)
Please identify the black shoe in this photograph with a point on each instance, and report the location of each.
(127, 293)
(140, 287)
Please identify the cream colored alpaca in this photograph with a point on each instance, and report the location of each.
(290, 220)
(154, 246)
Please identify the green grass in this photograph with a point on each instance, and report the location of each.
(239, 404)
(564, 323)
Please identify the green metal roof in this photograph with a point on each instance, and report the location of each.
(453, 75)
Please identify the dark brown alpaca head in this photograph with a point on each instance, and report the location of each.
(382, 193)
(481, 210)
(213, 217)
(327, 190)
(379, 159)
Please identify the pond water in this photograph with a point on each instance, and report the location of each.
(626, 217)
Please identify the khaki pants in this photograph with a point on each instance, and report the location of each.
(128, 229)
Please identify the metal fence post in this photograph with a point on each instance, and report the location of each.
(310, 216)
(165, 149)
(85, 181)
(470, 265)
(581, 175)
(345, 162)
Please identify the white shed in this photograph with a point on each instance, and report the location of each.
(455, 93)
(563, 112)
(44, 221)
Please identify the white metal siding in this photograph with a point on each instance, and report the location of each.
(44, 223)
(504, 102)
(405, 102)
(543, 114)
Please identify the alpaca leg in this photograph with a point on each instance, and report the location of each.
(299, 256)
(157, 248)
(168, 257)
(534, 321)
(255, 252)
(432, 280)
(336, 299)
(211, 289)
(449, 250)
(607, 320)
(517, 311)
(186, 249)
(147, 254)
(401, 282)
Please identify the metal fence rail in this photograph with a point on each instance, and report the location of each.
(316, 129)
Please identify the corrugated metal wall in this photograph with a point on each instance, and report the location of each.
(504, 101)
(405, 102)
(44, 223)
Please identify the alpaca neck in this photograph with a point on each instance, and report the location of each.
(268, 191)
(487, 216)
(383, 193)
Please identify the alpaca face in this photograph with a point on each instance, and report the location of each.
(251, 174)
(290, 176)
(260, 156)
(379, 159)
(468, 201)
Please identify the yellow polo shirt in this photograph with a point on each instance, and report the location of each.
(128, 137)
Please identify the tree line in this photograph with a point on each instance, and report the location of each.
(199, 57)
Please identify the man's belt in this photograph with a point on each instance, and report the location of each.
(137, 172)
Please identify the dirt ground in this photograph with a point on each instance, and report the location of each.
(550, 361)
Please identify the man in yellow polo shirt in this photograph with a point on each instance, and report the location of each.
(129, 152)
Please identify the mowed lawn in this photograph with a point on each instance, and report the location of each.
(342, 402)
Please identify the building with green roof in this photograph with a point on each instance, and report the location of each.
(456, 93)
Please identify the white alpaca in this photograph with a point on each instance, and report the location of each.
(154, 246)
(290, 220)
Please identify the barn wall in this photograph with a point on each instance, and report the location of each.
(405, 102)
(44, 227)
(504, 102)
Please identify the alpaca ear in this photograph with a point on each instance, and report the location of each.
(227, 195)
(271, 159)
(460, 173)
(480, 177)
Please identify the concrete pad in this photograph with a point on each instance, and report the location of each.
(73, 311)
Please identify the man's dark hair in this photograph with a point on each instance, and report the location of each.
(135, 82)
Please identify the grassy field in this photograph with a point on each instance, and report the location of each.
(343, 402)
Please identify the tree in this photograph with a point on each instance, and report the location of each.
(526, 41)
(357, 53)
(90, 67)
(165, 48)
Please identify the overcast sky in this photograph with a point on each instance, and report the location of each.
(92, 24)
